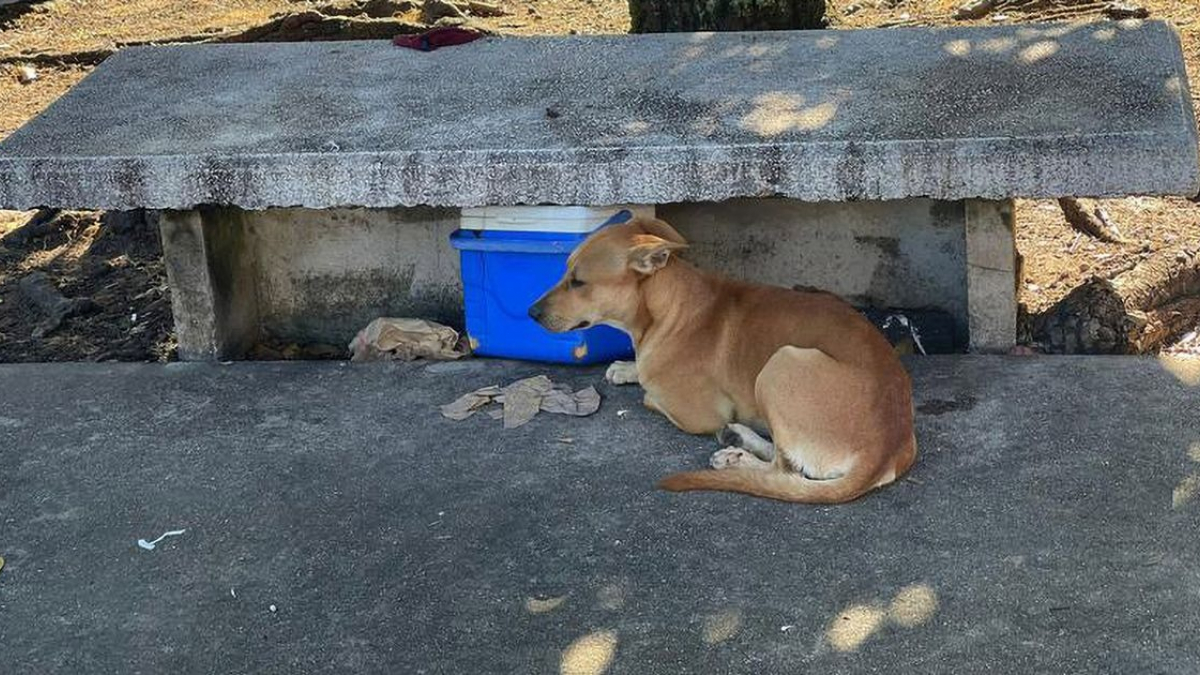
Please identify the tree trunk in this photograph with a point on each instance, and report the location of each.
(672, 16)
(1133, 313)
(1089, 221)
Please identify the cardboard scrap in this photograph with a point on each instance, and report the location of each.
(522, 400)
(386, 339)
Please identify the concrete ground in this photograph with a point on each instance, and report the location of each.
(1050, 525)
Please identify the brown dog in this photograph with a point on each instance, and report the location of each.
(712, 351)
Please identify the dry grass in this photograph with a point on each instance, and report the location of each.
(23, 101)
(86, 25)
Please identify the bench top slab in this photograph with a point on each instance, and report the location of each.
(992, 112)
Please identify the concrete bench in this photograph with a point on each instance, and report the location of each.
(307, 188)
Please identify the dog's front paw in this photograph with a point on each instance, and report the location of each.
(622, 372)
(731, 458)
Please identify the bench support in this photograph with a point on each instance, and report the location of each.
(304, 276)
(210, 272)
(991, 275)
(316, 276)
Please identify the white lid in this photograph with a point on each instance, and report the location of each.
(572, 219)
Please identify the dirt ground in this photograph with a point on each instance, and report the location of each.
(116, 263)
(122, 272)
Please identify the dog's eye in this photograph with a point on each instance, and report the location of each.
(575, 282)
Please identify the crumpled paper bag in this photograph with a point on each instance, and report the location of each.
(523, 400)
(386, 339)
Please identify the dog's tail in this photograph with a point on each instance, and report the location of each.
(786, 486)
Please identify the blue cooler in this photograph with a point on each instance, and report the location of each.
(510, 257)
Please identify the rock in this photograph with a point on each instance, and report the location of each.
(440, 9)
(479, 8)
(1124, 10)
(40, 291)
(26, 74)
(382, 9)
(850, 10)
(977, 9)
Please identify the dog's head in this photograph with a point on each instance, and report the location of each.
(604, 275)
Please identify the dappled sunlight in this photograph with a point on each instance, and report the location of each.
(754, 50)
(1185, 491)
(1038, 51)
(544, 605)
(635, 127)
(591, 654)
(959, 48)
(853, 626)
(1185, 369)
(1032, 33)
(816, 116)
(721, 626)
(1105, 34)
(778, 112)
(611, 596)
(1031, 45)
(914, 605)
(827, 42)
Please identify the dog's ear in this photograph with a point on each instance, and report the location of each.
(650, 253)
(660, 229)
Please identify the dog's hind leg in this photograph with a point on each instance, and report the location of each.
(742, 436)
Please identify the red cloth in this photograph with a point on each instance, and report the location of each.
(430, 40)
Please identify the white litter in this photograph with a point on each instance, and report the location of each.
(273, 608)
(149, 545)
(785, 629)
(622, 413)
(233, 593)
(912, 330)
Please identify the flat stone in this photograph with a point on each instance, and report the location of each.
(992, 112)
(1049, 525)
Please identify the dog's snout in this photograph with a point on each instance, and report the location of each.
(536, 312)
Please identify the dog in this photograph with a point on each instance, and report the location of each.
(720, 356)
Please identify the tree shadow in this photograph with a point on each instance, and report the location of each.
(10, 13)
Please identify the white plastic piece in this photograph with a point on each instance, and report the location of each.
(149, 545)
(569, 219)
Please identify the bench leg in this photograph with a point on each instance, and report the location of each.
(210, 270)
(991, 275)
